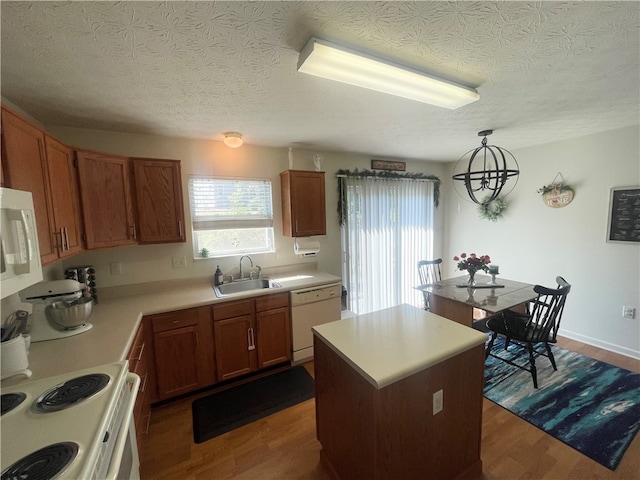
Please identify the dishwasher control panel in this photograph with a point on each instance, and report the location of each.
(316, 294)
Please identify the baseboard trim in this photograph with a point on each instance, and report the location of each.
(627, 352)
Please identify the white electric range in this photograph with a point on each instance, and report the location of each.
(72, 426)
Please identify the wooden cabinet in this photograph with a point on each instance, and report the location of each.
(106, 199)
(25, 168)
(37, 163)
(65, 197)
(158, 200)
(303, 203)
(251, 334)
(273, 330)
(141, 364)
(234, 334)
(183, 351)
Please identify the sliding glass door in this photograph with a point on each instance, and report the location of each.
(387, 229)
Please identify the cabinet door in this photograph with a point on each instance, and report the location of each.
(106, 200)
(65, 197)
(25, 168)
(303, 203)
(139, 364)
(158, 199)
(273, 337)
(235, 346)
(176, 361)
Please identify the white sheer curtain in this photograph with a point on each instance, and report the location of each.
(388, 228)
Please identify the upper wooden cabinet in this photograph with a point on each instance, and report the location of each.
(303, 203)
(158, 203)
(106, 199)
(65, 199)
(39, 164)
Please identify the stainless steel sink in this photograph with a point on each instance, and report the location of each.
(244, 286)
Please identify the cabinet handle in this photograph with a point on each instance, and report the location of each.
(133, 231)
(175, 321)
(140, 354)
(252, 343)
(144, 383)
(180, 228)
(146, 430)
(66, 238)
(56, 243)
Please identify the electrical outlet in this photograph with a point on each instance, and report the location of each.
(179, 262)
(437, 402)
(116, 268)
(628, 312)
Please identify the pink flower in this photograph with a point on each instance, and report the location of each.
(463, 255)
(456, 258)
(473, 255)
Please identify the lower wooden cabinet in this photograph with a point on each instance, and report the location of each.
(183, 351)
(197, 347)
(251, 334)
(141, 364)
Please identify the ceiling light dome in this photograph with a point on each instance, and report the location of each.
(233, 139)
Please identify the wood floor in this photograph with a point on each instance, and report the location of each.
(284, 446)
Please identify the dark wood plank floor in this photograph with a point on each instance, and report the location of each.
(284, 446)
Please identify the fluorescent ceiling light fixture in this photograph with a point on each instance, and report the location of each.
(328, 60)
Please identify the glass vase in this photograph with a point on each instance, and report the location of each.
(472, 278)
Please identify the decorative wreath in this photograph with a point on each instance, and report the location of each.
(492, 209)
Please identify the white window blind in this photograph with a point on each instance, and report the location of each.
(220, 204)
(230, 216)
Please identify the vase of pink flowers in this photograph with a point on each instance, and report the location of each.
(472, 263)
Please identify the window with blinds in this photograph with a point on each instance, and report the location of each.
(231, 216)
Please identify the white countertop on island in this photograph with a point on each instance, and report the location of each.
(115, 322)
(394, 343)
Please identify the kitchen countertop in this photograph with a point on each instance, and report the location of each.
(395, 343)
(115, 322)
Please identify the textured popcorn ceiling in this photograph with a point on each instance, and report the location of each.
(545, 71)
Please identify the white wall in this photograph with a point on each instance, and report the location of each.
(150, 263)
(535, 243)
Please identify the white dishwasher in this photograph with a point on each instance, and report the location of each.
(310, 307)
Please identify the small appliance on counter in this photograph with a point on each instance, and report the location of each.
(15, 346)
(87, 276)
(59, 309)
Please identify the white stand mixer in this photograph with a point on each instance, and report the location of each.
(42, 295)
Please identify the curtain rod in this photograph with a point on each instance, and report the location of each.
(386, 178)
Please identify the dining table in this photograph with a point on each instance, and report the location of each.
(454, 299)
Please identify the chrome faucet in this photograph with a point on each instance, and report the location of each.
(242, 257)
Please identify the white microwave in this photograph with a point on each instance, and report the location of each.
(20, 254)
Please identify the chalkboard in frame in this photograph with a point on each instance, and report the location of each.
(624, 215)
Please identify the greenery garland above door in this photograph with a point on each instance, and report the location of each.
(383, 174)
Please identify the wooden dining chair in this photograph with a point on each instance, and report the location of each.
(429, 272)
(538, 326)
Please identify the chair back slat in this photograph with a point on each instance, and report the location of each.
(546, 311)
(429, 272)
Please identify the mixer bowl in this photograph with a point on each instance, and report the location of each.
(70, 314)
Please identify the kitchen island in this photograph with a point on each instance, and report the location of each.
(399, 395)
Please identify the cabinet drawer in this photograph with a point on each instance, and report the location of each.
(171, 320)
(270, 302)
(232, 309)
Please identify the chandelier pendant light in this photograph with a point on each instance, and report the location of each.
(486, 170)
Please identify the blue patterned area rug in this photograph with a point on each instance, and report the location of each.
(590, 405)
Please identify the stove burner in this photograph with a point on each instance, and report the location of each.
(43, 464)
(10, 401)
(71, 392)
